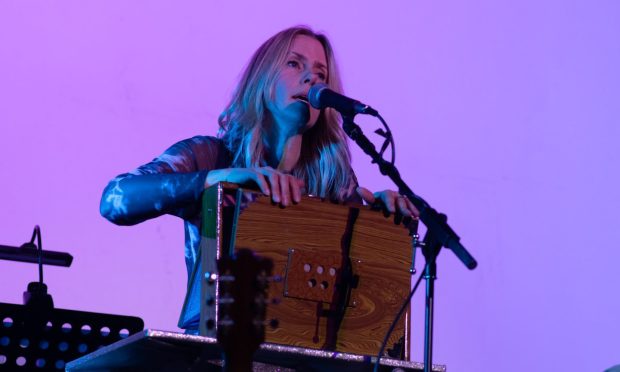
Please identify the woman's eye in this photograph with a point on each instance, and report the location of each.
(293, 64)
(321, 76)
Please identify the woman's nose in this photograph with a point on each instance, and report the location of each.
(310, 78)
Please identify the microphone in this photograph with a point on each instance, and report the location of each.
(320, 96)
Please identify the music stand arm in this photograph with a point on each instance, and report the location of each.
(24, 254)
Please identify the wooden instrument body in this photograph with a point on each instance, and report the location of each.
(313, 245)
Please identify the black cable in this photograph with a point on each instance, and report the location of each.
(389, 137)
(400, 313)
(36, 233)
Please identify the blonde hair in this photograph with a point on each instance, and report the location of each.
(325, 161)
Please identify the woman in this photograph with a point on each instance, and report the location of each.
(269, 135)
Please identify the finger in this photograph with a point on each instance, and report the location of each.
(295, 188)
(274, 184)
(260, 180)
(366, 195)
(401, 202)
(389, 199)
(414, 211)
(402, 212)
(302, 185)
(248, 196)
(381, 204)
(407, 221)
(398, 217)
(285, 190)
(229, 200)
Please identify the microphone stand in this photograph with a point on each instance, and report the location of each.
(439, 234)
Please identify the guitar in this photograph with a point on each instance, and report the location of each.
(242, 301)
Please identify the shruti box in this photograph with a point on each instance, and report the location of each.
(340, 272)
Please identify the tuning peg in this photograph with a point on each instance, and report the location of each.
(210, 277)
(210, 324)
(225, 322)
(226, 300)
(226, 278)
(210, 301)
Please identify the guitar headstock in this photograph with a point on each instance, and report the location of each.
(242, 303)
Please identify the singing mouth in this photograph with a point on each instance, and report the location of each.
(301, 97)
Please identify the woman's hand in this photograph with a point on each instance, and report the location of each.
(283, 188)
(391, 201)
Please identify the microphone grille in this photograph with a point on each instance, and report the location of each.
(314, 95)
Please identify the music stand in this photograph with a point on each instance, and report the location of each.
(38, 336)
(31, 339)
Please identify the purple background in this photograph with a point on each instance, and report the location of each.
(505, 114)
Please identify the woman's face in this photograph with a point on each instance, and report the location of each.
(305, 65)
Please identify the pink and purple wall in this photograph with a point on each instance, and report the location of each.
(506, 116)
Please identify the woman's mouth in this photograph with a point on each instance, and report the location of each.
(301, 97)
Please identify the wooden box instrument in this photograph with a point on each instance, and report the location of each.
(341, 272)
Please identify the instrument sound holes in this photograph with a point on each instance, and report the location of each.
(20, 361)
(82, 348)
(7, 322)
(86, 329)
(105, 331)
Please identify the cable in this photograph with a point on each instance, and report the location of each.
(389, 138)
(36, 233)
(393, 325)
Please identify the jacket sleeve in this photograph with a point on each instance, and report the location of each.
(170, 184)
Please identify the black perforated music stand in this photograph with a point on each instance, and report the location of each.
(32, 340)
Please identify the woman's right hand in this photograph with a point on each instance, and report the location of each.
(283, 188)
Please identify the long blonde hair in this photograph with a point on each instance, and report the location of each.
(325, 161)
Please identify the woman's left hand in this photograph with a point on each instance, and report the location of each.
(391, 200)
